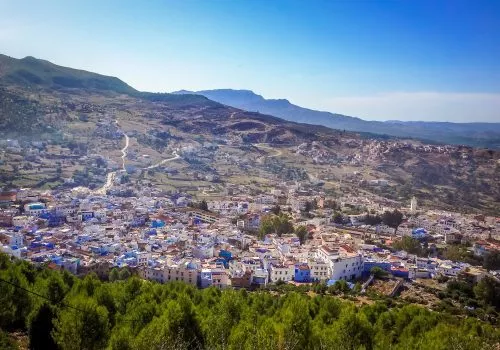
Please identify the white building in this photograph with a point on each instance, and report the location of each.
(319, 269)
(284, 273)
(347, 266)
(34, 209)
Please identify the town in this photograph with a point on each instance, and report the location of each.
(293, 234)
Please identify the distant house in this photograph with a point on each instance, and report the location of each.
(283, 273)
(7, 199)
(34, 209)
(243, 280)
(204, 216)
(302, 273)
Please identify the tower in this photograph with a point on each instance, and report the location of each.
(413, 205)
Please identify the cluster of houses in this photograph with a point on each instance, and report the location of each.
(162, 238)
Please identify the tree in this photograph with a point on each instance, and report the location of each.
(301, 233)
(378, 272)
(266, 226)
(492, 260)
(276, 210)
(15, 302)
(338, 218)
(487, 292)
(200, 205)
(373, 220)
(6, 343)
(331, 204)
(279, 224)
(282, 224)
(85, 328)
(40, 327)
(393, 219)
(308, 207)
(124, 273)
(408, 244)
(114, 274)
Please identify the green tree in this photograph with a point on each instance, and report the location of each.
(373, 220)
(266, 226)
(487, 291)
(40, 327)
(282, 224)
(276, 210)
(492, 260)
(124, 273)
(393, 219)
(84, 328)
(338, 218)
(15, 302)
(301, 233)
(378, 272)
(114, 274)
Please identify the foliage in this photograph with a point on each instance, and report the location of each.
(392, 219)
(373, 220)
(331, 204)
(5, 342)
(408, 244)
(378, 272)
(279, 224)
(200, 205)
(301, 233)
(134, 314)
(487, 292)
(338, 218)
(492, 260)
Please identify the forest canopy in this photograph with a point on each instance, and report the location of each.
(72, 313)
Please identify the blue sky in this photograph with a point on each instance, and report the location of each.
(406, 60)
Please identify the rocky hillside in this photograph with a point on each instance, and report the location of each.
(472, 134)
(59, 132)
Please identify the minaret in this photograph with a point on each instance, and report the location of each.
(413, 205)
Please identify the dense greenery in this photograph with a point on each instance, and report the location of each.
(408, 244)
(280, 224)
(134, 314)
(392, 219)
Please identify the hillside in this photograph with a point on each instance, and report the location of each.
(30, 72)
(57, 137)
(472, 134)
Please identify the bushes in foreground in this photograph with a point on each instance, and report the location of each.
(135, 314)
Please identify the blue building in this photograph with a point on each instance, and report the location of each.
(302, 273)
(368, 265)
(157, 223)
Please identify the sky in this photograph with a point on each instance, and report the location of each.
(378, 60)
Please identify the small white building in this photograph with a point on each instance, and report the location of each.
(284, 273)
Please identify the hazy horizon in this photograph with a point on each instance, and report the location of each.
(430, 60)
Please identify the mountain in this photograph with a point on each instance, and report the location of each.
(30, 71)
(472, 134)
(57, 135)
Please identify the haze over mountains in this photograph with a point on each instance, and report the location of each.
(30, 71)
(473, 134)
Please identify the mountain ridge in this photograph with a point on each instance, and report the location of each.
(472, 134)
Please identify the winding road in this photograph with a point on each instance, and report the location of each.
(264, 146)
(175, 156)
(110, 177)
(124, 150)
